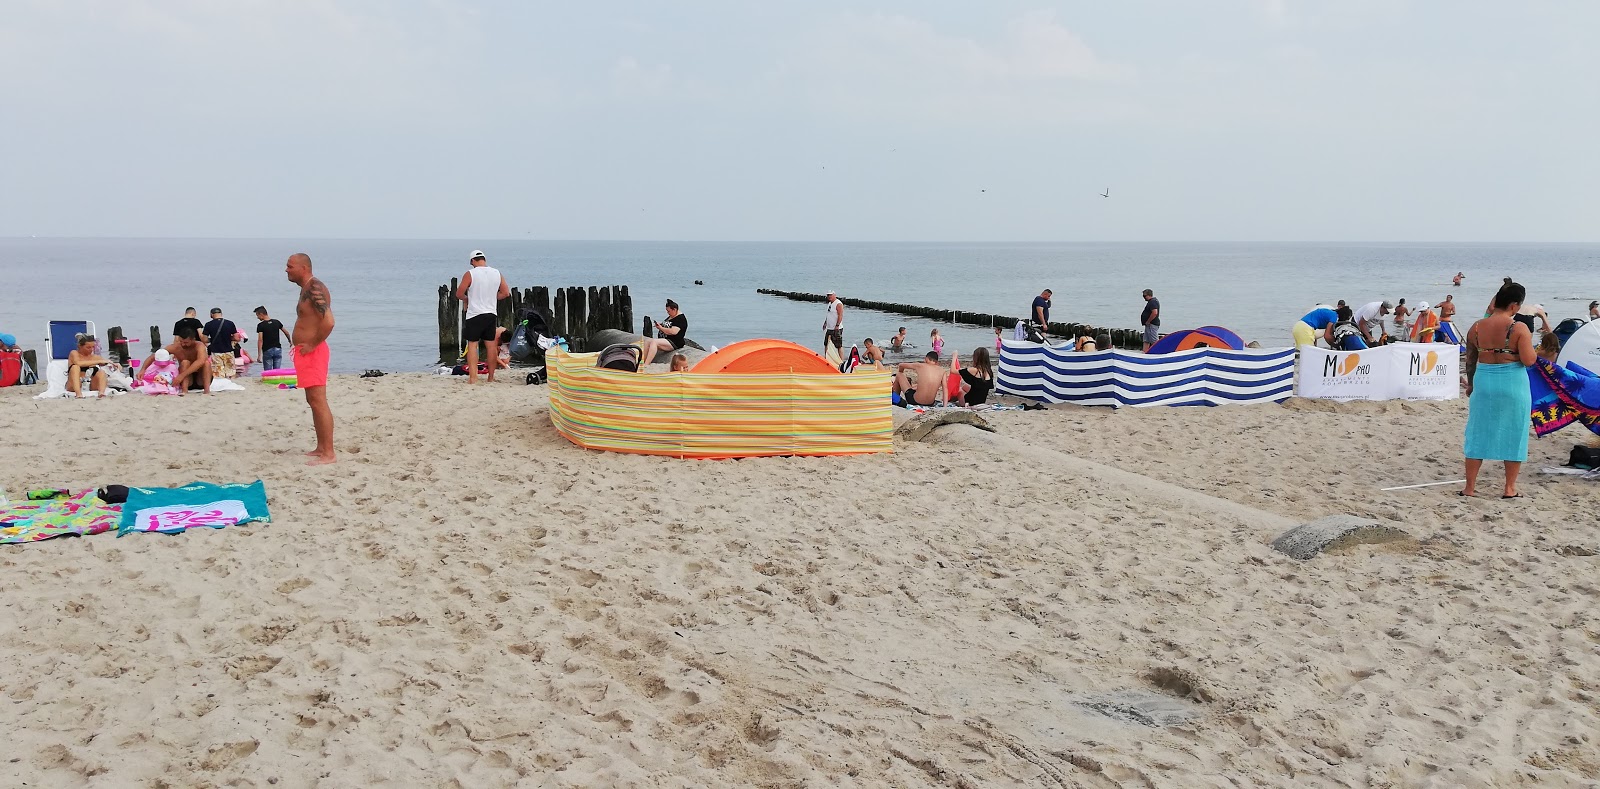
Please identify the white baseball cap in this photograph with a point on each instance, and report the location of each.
(476, 253)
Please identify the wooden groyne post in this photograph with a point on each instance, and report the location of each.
(116, 347)
(1120, 338)
(577, 313)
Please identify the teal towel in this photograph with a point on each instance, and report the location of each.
(253, 496)
(1499, 413)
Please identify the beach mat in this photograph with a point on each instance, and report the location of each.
(198, 504)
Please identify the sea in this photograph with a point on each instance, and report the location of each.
(385, 292)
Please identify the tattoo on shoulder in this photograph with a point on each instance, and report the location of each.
(316, 294)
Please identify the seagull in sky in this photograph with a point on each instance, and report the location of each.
(1107, 192)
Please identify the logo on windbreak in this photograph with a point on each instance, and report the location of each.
(1346, 368)
(1425, 364)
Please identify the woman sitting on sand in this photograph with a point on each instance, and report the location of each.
(1500, 402)
(977, 378)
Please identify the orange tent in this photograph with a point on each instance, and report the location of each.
(765, 356)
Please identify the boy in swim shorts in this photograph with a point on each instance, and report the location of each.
(312, 325)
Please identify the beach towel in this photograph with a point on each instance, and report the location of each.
(198, 504)
(1563, 395)
(1498, 413)
(75, 516)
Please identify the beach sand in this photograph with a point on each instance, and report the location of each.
(466, 599)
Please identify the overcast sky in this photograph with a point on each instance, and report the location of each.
(818, 120)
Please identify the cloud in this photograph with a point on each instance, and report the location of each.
(893, 65)
(628, 78)
(1034, 46)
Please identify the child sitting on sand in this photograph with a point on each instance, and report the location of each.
(161, 376)
(1549, 347)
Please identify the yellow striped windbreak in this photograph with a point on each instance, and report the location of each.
(719, 415)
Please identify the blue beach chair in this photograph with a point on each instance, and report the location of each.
(62, 337)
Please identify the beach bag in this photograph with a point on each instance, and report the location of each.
(1584, 457)
(521, 350)
(10, 368)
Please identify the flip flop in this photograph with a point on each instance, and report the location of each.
(1463, 494)
(1518, 496)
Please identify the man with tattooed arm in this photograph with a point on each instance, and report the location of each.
(313, 323)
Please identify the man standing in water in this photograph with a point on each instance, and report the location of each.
(833, 324)
(313, 322)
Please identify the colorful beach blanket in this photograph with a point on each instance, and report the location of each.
(76, 515)
(1563, 395)
(198, 504)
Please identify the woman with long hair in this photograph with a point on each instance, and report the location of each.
(977, 378)
(1499, 351)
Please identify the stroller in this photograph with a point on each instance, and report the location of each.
(532, 337)
(529, 341)
(1035, 333)
(623, 356)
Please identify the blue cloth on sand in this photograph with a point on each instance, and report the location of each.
(253, 495)
(1499, 413)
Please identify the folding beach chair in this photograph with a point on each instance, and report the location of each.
(61, 339)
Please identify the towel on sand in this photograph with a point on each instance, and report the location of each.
(175, 510)
(73, 516)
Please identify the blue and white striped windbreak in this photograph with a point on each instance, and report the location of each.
(1202, 376)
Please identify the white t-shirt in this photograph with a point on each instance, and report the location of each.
(1370, 316)
(483, 294)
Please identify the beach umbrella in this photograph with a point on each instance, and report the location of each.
(1583, 348)
(1186, 340)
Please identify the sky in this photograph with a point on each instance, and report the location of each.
(1227, 120)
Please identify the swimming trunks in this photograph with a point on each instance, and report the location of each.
(311, 369)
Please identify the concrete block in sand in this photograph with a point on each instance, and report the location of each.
(919, 426)
(1334, 532)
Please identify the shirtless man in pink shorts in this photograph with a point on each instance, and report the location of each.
(313, 322)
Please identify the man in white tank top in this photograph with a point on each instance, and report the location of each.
(833, 324)
(481, 288)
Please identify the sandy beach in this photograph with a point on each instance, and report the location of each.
(466, 599)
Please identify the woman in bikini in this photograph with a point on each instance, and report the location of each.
(1499, 351)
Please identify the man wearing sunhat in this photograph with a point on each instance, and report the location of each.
(481, 288)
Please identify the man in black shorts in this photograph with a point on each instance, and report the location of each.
(673, 334)
(481, 288)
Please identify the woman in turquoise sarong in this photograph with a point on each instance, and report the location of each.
(1499, 351)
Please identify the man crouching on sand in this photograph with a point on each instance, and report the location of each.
(313, 322)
